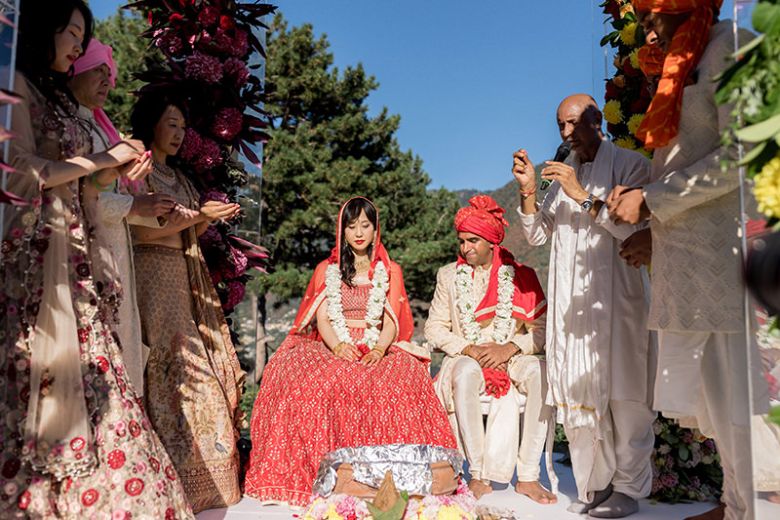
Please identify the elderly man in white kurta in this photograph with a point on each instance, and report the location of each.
(487, 314)
(108, 207)
(599, 354)
(694, 211)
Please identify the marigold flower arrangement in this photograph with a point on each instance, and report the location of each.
(207, 45)
(460, 506)
(628, 91)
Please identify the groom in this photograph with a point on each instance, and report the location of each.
(487, 314)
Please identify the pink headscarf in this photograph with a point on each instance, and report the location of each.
(97, 54)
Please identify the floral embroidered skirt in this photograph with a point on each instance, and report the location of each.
(311, 402)
(186, 398)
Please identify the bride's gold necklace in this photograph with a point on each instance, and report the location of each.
(362, 264)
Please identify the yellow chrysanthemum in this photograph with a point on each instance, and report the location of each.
(626, 142)
(628, 34)
(449, 513)
(634, 122)
(331, 514)
(767, 188)
(612, 112)
(634, 57)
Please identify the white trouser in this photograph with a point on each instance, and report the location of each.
(493, 452)
(717, 387)
(621, 457)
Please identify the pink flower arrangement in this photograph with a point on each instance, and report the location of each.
(208, 16)
(216, 195)
(202, 67)
(236, 291)
(168, 42)
(236, 70)
(203, 153)
(227, 124)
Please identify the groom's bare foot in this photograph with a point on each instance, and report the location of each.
(536, 492)
(713, 514)
(479, 488)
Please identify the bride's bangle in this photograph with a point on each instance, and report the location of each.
(380, 350)
(337, 346)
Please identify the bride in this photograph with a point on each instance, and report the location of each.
(346, 375)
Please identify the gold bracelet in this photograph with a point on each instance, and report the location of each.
(380, 350)
(337, 345)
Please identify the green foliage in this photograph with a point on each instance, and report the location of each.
(326, 148)
(123, 31)
(752, 84)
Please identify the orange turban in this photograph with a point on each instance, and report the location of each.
(484, 217)
(662, 121)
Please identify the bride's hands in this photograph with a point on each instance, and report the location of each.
(372, 358)
(346, 351)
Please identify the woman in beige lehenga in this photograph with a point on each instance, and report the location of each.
(193, 378)
(74, 439)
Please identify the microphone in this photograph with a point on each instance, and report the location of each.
(561, 154)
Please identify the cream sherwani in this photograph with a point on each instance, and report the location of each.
(492, 452)
(599, 354)
(697, 284)
(109, 214)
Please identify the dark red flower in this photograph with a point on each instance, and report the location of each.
(24, 500)
(11, 468)
(116, 459)
(77, 443)
(135, 428)
(175, 17)
(170, 514)
(208, 16)
(226, 22)
(612, 91)
(155, 464)
(89, 497)
(612, 8)
(102, 364)
(134, 487)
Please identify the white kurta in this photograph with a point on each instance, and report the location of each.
(112, 249)
(599, 353)
(597, 338)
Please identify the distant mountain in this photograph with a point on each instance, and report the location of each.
(508, 198)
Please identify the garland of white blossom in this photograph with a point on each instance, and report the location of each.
(374, 308)
(467, 306)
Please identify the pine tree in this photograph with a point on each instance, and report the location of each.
(326, 148)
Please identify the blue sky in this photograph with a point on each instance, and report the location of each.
(472, 81)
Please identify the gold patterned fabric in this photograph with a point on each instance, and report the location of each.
(193, 378)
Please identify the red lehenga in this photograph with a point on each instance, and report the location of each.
(311, 402)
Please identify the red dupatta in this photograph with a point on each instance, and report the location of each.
(396, 305)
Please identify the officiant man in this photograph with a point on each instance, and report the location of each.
(599, 355)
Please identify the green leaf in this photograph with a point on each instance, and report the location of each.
(755, 152)
(755, 42)
(760, 131)
(395, 513)
(766, 17)
(683, 452)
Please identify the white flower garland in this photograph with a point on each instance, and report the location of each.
(374, 308)
(467, 306)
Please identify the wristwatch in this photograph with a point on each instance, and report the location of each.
(587, 204)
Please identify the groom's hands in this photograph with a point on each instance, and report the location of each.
(492, 355)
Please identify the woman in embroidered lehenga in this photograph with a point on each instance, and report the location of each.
(74, 440)
(193, 378)
(346, 375)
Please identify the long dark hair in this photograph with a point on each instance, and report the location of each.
(38, 23)
(148, 110)
(350, 214)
